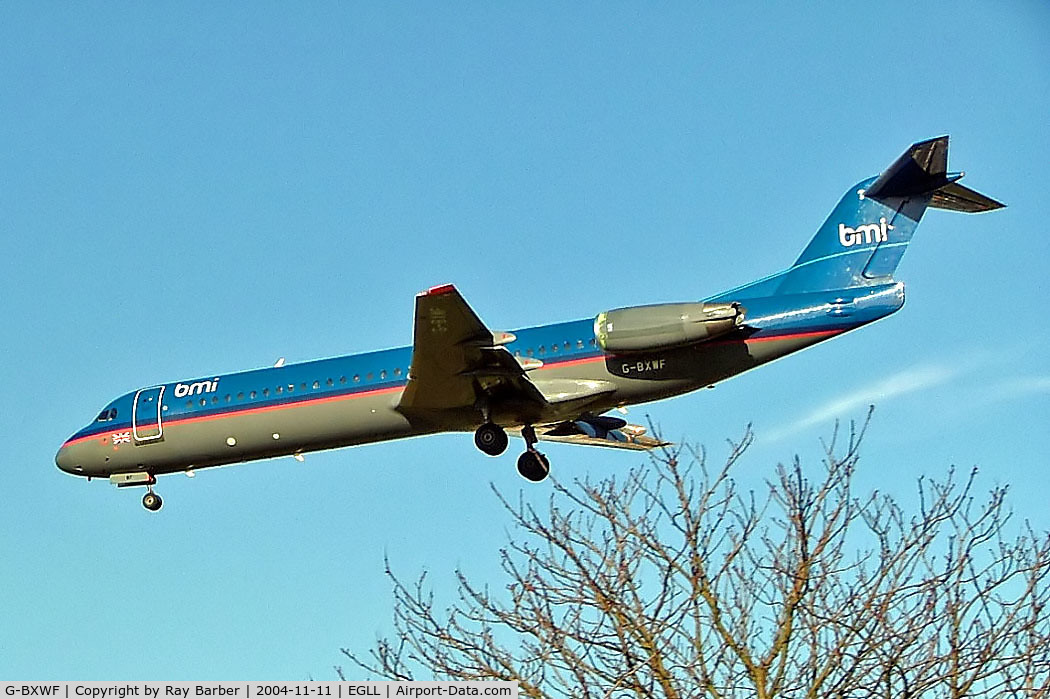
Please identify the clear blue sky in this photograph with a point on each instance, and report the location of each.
(187, 189)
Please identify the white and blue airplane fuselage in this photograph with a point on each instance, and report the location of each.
(547, 383)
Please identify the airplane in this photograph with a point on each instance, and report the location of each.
(548, 383)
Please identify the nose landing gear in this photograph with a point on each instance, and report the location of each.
(151, 501)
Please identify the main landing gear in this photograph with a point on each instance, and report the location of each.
(151, 501)
(491, 439)
(532, 465)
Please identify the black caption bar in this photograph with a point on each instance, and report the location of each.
(254, 690)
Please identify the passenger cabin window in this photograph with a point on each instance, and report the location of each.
(382, 374)
(330, 382)
(252, 395)
(342, 379)
(266, 392)
(357, 378)
(397, 371)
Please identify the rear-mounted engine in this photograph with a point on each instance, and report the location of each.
(665, 325)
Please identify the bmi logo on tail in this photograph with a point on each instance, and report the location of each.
(868, 233)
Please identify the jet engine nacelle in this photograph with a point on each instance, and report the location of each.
(665, 325)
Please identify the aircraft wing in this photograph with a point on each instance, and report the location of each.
(584, 433)
(456, 360)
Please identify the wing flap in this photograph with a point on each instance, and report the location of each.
(556, 391)
(589, 433)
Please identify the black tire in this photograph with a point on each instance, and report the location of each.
(491, 439)
(152, 502)
(533, 466)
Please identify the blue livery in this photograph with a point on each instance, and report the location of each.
(549, 383)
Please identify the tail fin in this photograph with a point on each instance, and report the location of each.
(864, 238)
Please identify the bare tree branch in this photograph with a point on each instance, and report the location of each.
(668, 581)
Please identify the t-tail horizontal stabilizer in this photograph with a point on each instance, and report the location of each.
(923, 169)
(954, 197)
(863, 240)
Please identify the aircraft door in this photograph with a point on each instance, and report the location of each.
(145, 415)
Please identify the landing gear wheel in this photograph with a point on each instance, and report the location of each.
(151, 501)
(491, 439)
(533, 466)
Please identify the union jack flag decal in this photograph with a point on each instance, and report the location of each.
(121, 437)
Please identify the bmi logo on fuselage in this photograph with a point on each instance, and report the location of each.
(867, 233)
(192, 389)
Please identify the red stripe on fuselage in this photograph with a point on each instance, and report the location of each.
(249, 411)
(791, 336)
(378, 391)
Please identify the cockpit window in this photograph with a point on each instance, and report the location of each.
(106, 415)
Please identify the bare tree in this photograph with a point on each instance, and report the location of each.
(670, 582)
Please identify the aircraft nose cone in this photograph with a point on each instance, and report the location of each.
(64, 460)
